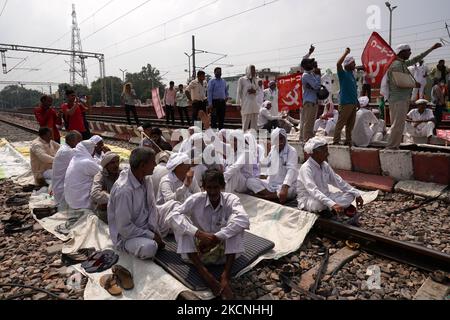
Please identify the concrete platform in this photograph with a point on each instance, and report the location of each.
(423, 189)
(366, 160)
(367, 181)
(431, 167)
(397, 164)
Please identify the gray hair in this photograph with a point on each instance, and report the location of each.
(141, 155)
(72, 135)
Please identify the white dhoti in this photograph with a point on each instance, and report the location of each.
(250, 121)
(47, 174)
(257, 185)
(236, 183)
(186, 244)
(312, 205)
(145, 248)
(377, 137)
(327, 125)
(422, 130)
(420, 90)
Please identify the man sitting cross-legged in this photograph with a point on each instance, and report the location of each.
(283, 161)
(314, 177)
(135, 223)
(209, 229)
(179, 184)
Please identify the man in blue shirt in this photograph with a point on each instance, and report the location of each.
(348, 98)
(311, 82)
(217, 98)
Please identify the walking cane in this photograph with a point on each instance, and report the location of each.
(143, 134)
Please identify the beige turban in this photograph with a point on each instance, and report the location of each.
(108, 157)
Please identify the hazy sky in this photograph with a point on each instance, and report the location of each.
(275, 35)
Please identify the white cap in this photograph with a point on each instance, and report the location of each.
(348, 60)
(313, 144)
(402, 47)
(363, 101)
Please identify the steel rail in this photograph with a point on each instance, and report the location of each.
(401, 251)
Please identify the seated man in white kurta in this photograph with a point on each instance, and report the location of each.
(80, 176)
(209, 229)
(179, 184)
(327, 120)
(364, 129)
(420, 121)
(136, 224)
(243, 163)
(315, 175)
(283, 161)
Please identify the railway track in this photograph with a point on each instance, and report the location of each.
(404, 252)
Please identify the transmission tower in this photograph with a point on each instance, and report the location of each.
(77, 65)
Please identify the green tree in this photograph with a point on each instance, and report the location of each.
(15, 96)
(114, 87)
(145, 80)
(80, 90)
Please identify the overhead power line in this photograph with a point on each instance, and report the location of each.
(193, 29)
(161, 24)
(116, 19)
(3, 9)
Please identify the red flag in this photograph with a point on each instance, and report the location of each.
(377, 58)
(157, 104)
(290, 92)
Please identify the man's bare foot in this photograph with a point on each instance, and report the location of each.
(227, 292)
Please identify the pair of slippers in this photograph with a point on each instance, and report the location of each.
(100, 261)
(45, 212)
(121, 279)
(77, 257)
(16, 225)
(17, 200)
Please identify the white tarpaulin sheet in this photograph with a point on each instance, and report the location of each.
(12, 163)
(286, 227)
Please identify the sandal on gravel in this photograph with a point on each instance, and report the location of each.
(124, 276)
(109, 283)
(17, 200)
(42, 213)
(77, 257)
(16, 226)
(100, 261)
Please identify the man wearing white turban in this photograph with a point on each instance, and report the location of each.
(315, 175)
(266, 120)
(179, 184)
(103, 183)
(80, 176)
(400, 96)
(283, 171)
(348, 98)
(100, 148)
(420, 121)
(247, 91)
(363, 131)
(327, 120)
(243, 163)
